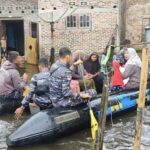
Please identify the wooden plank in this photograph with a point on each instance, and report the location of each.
(32, 52)
(144, 76)
(105, 95)
(141, 100)
(102, 121)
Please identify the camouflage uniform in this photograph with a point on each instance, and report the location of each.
(60, 92)
(39, 90)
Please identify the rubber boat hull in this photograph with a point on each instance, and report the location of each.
(8, 105)
(54, 123)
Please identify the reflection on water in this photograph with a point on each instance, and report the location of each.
(118, 136)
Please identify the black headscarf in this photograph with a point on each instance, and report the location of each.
(92, 66)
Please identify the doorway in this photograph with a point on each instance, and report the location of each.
(15, 35)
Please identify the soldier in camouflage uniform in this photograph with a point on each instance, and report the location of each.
(60, 76)
(39, 89)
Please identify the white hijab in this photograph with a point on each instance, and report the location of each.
(134, 59)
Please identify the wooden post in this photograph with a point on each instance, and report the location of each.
(102, 121)
(105, 96)
(141, 100)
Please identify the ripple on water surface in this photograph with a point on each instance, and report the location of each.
(5, 129)
(118, 136)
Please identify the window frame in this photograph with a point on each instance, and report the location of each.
(74, 22)
(84, 2)
(34, 30)
(72, 2)
(85, 22)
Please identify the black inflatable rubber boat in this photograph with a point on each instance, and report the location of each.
(51, 124)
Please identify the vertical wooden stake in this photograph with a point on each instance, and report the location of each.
(105, 96)
(141, 100)
(99, 143)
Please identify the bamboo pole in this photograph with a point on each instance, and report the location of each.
(141, 99)
(102, 121)
(104, 100)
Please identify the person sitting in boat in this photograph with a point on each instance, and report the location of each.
(120, 56)
(92, 67)
(78, 58)
(11, 84)
(117, 78)
(61, 94)
(132, 69)
(129, 76)
(39, 89)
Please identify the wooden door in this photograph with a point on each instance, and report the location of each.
(32, 51)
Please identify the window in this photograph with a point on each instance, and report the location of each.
(71, 21)
(145, 23)
(83, 2)
(72, 2)
(33, 30)
(84, 21)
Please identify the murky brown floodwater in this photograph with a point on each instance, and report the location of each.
(118, 136)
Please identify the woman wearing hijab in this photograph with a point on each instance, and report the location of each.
(132, 69)
(131, 72)
(92, 67)
(78, 58)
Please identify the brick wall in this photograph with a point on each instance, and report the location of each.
(25, 10)
(95, 38)
(136, 10)
(14, 8)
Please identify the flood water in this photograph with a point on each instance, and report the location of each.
(118, 136)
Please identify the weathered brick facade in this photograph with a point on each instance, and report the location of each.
(15, 10)
(137, 15)
(95, 38)
(103, 19)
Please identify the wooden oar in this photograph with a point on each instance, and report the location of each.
(94, 123)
